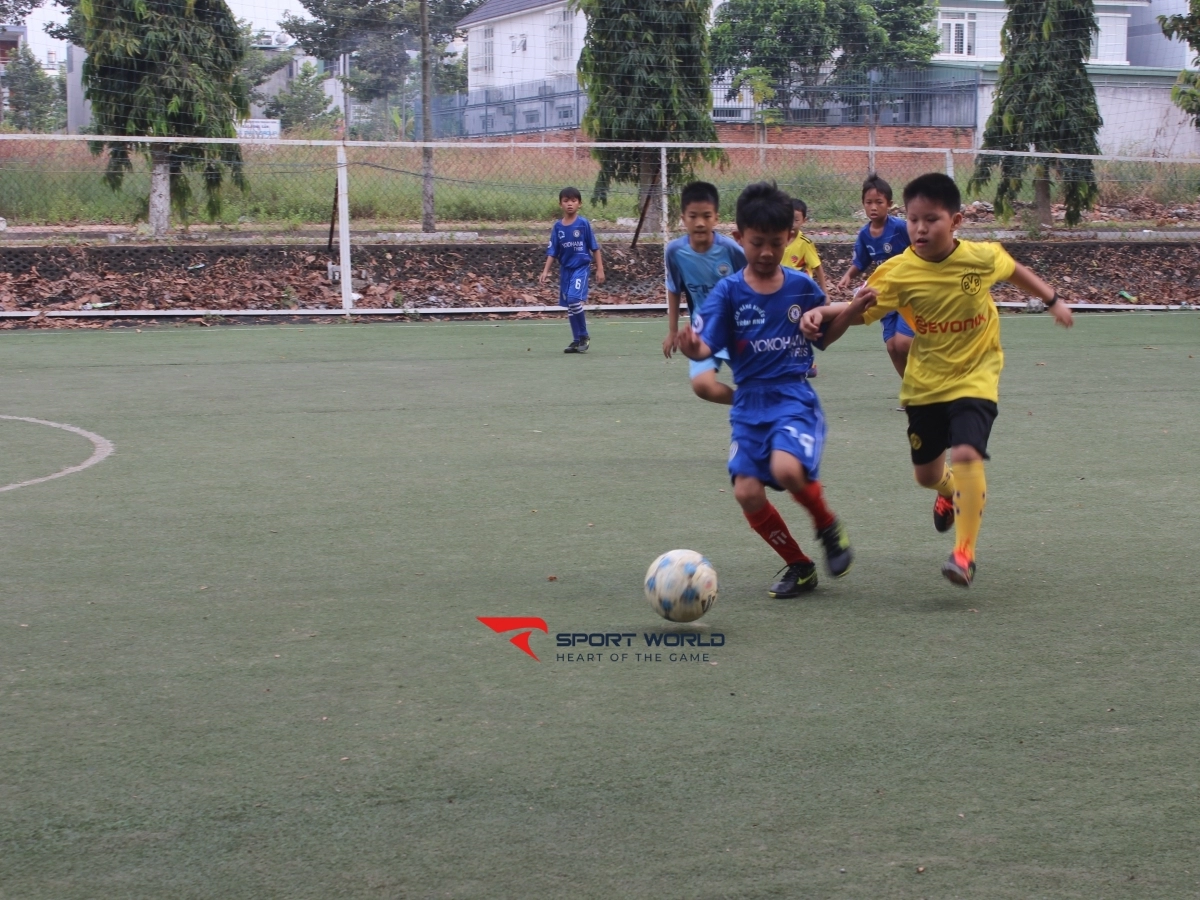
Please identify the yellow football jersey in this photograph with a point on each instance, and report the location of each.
(956, 351)
(801, 254)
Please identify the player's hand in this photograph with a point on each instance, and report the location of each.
(810, 324)
(671, 343)
(542, 278)
(1062, 313)
(688, 342)
(864, 298)
(600, 276)
(844, 282)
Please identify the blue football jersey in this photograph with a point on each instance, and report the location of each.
(871, 251)
(572, 245)
(761, 332)
(692, 275)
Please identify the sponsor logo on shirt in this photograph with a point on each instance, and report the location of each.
(955, 326)
(749, 314)
(791, 342)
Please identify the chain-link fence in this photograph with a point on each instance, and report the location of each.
(510, 188)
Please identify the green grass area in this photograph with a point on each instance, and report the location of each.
(240, 657)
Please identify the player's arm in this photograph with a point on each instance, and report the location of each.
(819, 278)
(844, 281)
(598, 259)
(550, 256)
(837, 317)
(671, 341)
(1025, 279)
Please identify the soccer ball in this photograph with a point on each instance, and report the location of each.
(681, 585)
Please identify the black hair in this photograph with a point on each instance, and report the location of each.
(800, 206)
(699, 192)
(570, 193)
(937, 188)
(764, 207)
(875, 183)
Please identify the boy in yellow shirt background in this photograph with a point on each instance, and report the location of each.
(801, 253)
(940, 285)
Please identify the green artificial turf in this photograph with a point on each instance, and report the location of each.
(240, 657)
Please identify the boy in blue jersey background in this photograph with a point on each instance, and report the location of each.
(883, 237)
(574, 245)
(778, 428)
(695, 263)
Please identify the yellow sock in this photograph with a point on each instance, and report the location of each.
(945, 487)
(970, 496)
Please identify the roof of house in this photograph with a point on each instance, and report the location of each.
(498, 9)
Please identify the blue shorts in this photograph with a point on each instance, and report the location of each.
(801, 433)
(894, 324)
(573, 286)
(712, 364)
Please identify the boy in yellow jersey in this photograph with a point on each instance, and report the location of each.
(801, 253)
(940, 285)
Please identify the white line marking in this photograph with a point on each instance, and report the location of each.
(104, 448)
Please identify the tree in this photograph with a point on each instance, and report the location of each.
(166, 68)
(258, 65)
(1044, 101)
(805, 43)
(1186, 92)
(17, 10)
(35, 100)
(644, 66)
(303, 103)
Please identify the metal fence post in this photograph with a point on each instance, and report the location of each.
(950, 163)
(666, 205)
(344, 230)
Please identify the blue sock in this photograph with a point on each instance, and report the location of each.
(578, 321)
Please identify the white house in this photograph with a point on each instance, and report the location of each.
(513, 42)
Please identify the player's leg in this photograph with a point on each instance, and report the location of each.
(928, 435)
(970, 427)
(897, 339)
(573, 294)
(796, 446)
(749, 469)
(703, 375)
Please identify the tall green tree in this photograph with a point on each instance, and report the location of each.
(805, 43)
(35, 99)
(1186, 92)
(303, 103)
(1044, 101)
(166, 68)
(645, 68)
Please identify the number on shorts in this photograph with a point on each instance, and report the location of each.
(807, 442)
(578, 283)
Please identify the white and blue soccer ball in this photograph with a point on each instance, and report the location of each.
(681, 585)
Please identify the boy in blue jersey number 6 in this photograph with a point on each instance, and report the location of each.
(574, 245)
(777, 423)
(695, 263)
(883, 237)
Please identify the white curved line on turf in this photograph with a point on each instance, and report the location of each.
(104, 448)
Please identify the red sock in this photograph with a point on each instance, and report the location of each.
(771, 528)
(812, 498)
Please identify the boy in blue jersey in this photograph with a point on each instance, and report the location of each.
(777, 424)
(695, 263)
(883, 237)
(574, 245)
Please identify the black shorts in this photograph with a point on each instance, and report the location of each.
(936, 426)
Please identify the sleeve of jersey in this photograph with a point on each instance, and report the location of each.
(1003, 265)
(811, 256)
(860, 261)
(885, 282)
(672, 279)
(552, 247)
(712, 321)
(593, 244)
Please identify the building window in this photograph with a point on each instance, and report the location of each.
(566, 112)
(560, 44)
(489, 50)
(957, 32)
(532, 116)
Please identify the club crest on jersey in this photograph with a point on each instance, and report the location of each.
(971, 283)
(576, 232)
(887, 248)
(794, 313)
(722, 270)
(697, 322)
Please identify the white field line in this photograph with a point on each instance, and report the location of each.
(104, 448)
